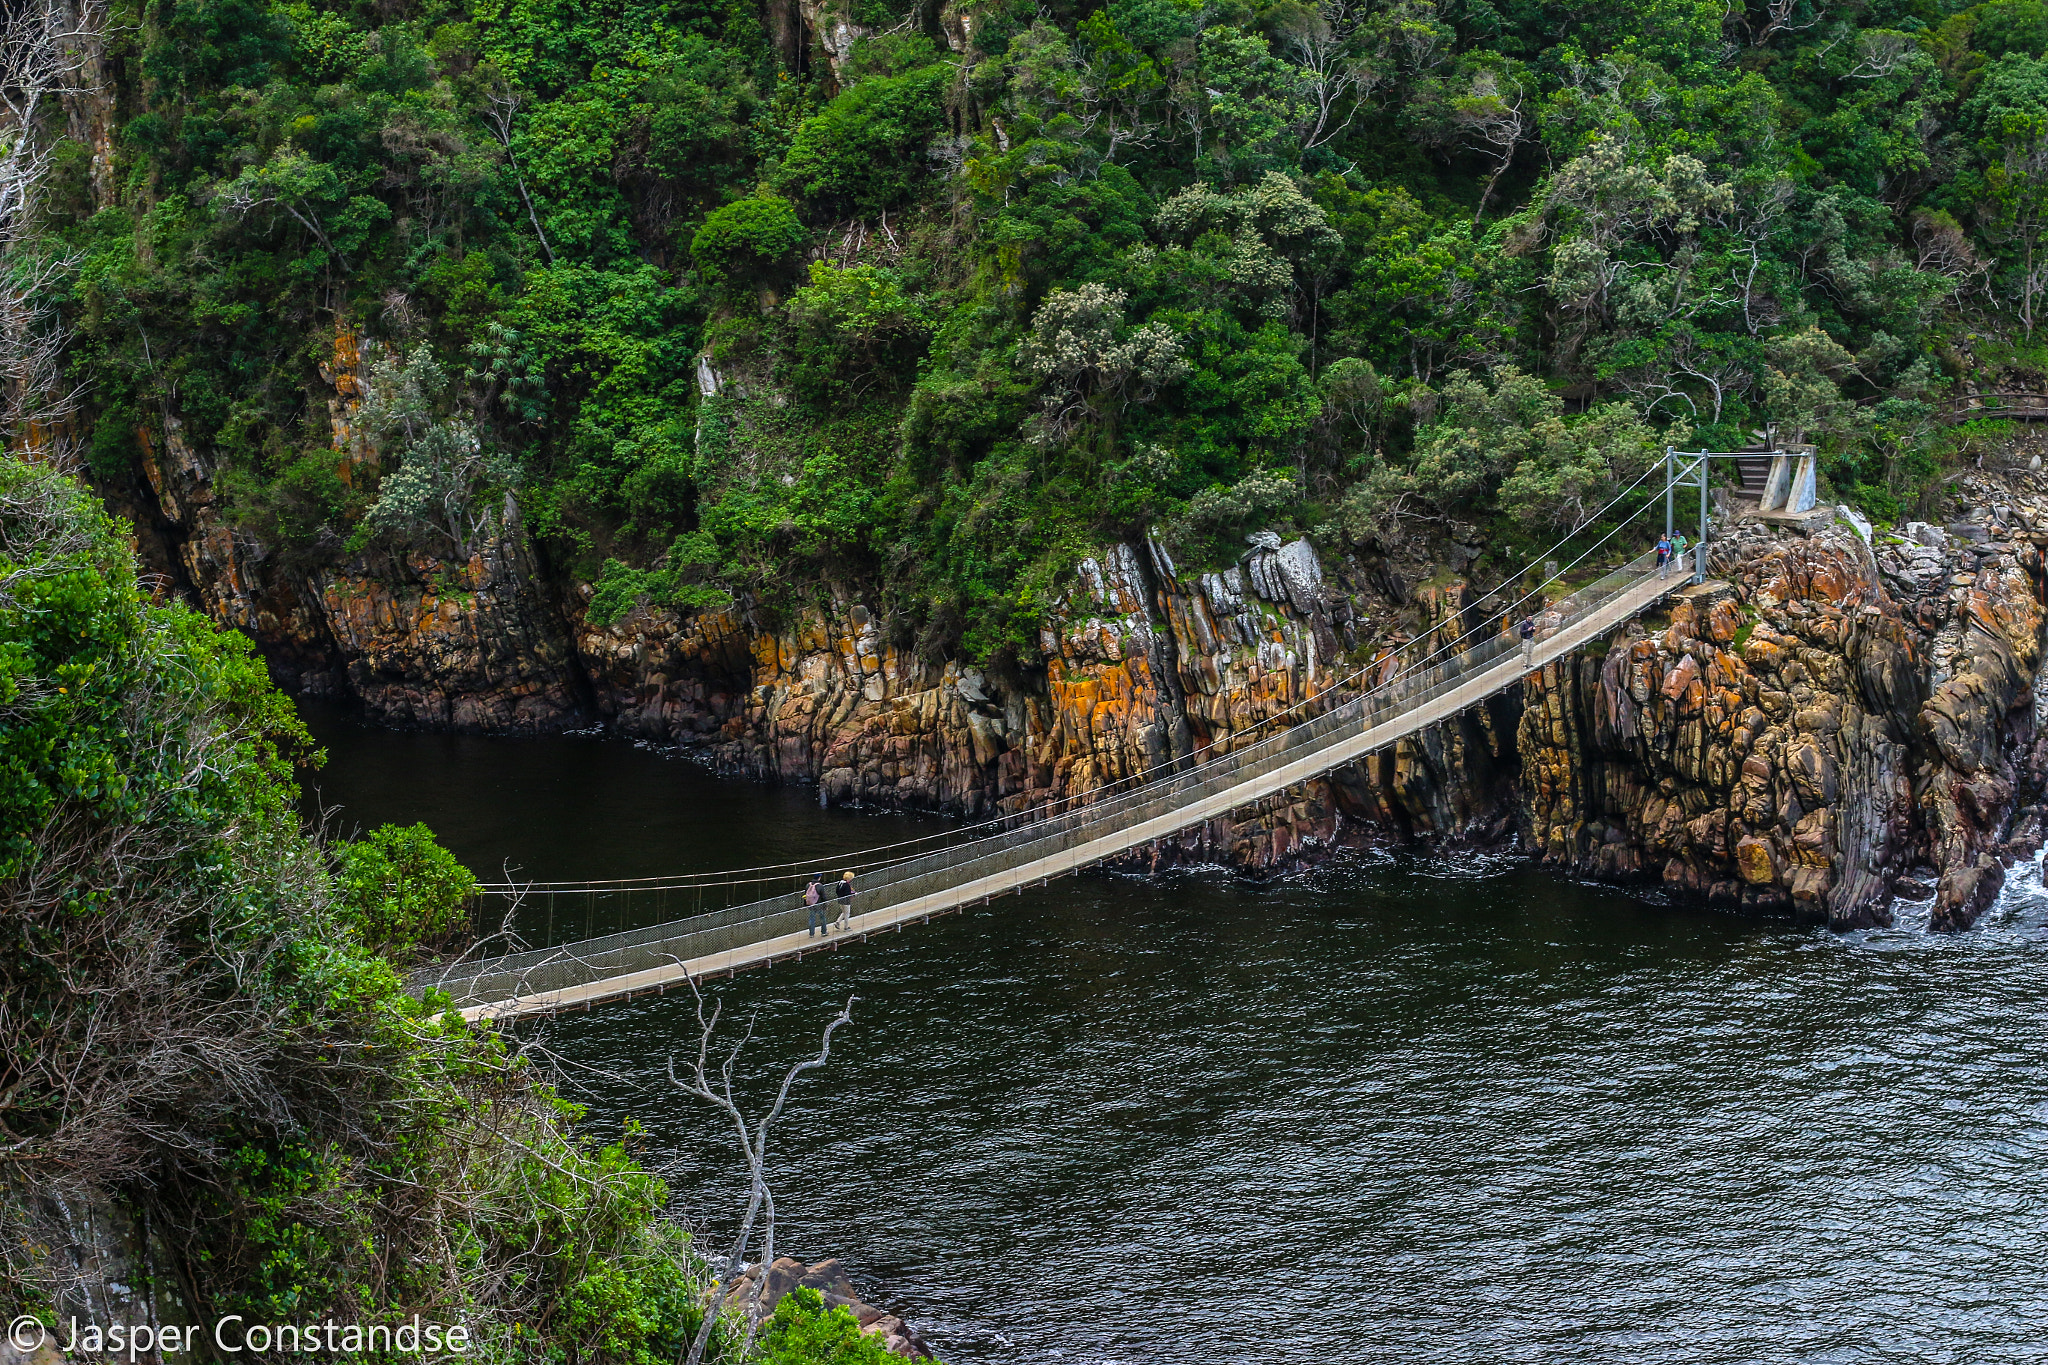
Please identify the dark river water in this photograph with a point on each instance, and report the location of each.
(1407, 1108)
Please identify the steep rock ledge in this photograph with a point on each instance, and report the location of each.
(1140, 665)
(1813, 726)
(474, 643)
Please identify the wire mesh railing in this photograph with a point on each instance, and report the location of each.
(1253, 771)
(594, 901)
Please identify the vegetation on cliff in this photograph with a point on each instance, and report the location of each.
(984, 283)
(202, 1024)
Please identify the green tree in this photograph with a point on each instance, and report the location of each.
(443, 468)
(313, 194)
(1802, 392)
(865, 151)
(2017, 185)
(1503, 445)
(858, 320)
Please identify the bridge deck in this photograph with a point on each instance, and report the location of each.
(1340, 751)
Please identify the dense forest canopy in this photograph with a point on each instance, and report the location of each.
(978, 286)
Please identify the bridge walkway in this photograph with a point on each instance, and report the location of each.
(652, 960)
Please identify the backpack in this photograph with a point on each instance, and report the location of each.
(811, 896)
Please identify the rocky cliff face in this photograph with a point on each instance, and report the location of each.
(1823, 727)
(1140, 665)
(475, 643)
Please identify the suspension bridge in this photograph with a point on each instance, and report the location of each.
(1398, 695)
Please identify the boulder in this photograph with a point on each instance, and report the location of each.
(1967, 892)
(828, 1277)
(1756, 860)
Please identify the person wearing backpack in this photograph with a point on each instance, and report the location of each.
(814, 901)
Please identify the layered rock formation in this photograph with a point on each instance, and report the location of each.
(1139, 666)
(1821, 725)
(476, 642)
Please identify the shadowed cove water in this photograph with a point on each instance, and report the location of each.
(1406, 1108)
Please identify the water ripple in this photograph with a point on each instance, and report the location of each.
(1408, 1110)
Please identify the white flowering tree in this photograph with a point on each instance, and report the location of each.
(443, 467)
(45, 49)
(1088, 355)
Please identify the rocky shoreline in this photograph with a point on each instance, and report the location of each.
(1823, 722)
(829, 1278)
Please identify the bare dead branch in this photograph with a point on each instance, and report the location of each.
(753, 1140)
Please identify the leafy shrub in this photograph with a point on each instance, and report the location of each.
(112, 453)
(620, 588)
(400, 887)
(297, 506)
(1508, 445)
(444, 465)
(1212, 528)
(1879, 503)
(747, 238)
(887, 54)
(802, 1331)
(865, 151)
(864, 305)
(857, 319)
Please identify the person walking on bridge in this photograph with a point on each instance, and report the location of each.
(1679, 545)
(845, 894)
(1663, 555)
(814, 901)
(1527, 630)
